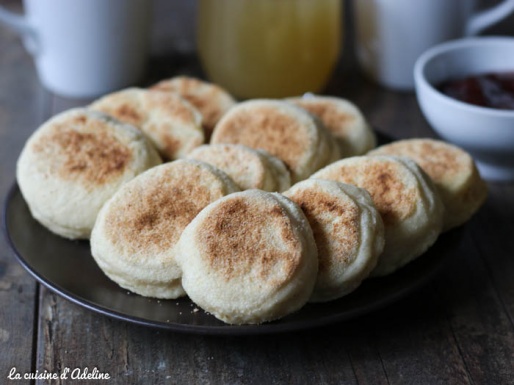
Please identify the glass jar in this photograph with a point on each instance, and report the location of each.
(269, 48)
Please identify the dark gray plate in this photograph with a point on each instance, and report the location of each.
(67, 268)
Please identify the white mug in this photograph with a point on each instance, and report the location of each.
(392, 34)
(85, 48)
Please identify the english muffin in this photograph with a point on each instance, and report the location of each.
(171, 123)
(452, 170)
(249, 258)
(135, 236)
(348, 231)
(249, 168)
(406, 199)
(343, 119)
(74, 163)
(282, 129)
(210, 99)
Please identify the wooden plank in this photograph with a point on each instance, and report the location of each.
(73, 337)
(477, 294)
(21, 104)
(459, 332)
(415, 342)
(496, 246)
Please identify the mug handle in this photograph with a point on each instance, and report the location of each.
(484, 19)
(20, 25)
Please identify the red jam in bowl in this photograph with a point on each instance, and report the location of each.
(494, 90)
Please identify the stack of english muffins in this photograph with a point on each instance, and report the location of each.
(251, 209)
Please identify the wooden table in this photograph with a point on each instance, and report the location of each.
(457, 329)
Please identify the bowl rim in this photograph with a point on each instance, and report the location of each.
(453, 45)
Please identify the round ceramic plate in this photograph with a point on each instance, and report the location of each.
(67, 268)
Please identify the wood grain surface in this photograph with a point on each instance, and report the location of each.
(458, 329)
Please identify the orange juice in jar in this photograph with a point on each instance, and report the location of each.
(269, 48)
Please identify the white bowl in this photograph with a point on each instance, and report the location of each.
(486, 133)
